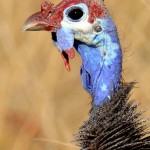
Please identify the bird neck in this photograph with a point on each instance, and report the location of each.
(101, 66)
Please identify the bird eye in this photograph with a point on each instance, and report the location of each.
(75, 14)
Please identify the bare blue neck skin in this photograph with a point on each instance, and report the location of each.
(101, 66)
(101, 62)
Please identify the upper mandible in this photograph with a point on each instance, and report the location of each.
(50, 16)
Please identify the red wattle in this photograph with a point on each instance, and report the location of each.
(71, 52)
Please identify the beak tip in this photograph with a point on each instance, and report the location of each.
(26, 27)
(23, 28)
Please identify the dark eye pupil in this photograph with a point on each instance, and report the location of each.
(75, 14)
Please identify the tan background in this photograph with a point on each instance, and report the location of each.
(38, 97)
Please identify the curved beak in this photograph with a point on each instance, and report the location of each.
(36, 22)
(49, 19)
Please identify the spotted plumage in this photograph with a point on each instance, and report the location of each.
(86, 25)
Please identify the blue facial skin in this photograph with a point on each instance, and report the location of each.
(65, 39)
(101, 63)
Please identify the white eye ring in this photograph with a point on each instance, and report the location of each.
(75, 14)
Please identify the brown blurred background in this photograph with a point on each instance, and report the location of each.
(39, 99)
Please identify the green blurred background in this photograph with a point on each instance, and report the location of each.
(39, 99)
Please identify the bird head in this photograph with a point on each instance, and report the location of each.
(69, 20)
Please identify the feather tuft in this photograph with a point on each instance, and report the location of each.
(115, 125)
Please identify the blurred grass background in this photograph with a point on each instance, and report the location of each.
(38, 97)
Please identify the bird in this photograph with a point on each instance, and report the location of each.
(87, 27)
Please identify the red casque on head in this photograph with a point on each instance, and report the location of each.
(50, 16)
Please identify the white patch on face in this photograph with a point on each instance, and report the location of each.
(104, 87)
(82, 29)
(82, 25)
